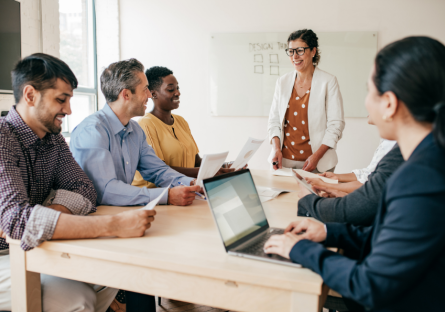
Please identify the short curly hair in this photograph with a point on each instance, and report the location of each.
(310, 38)
(154, 76)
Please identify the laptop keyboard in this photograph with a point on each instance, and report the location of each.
(257, 248)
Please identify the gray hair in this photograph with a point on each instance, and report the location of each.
(119, 76)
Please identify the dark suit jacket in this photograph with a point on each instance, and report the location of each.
(401, 258)
(358, 207)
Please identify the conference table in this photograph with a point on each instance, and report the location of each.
(180, 257)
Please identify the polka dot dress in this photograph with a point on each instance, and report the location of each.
(296, 128)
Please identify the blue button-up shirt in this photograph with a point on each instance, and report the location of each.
(110, 153)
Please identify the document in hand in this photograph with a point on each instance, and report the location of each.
(151, 205)
(210, 165)
(303, 182)
(249, 149)
(306, 174)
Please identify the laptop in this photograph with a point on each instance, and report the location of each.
(239, 216)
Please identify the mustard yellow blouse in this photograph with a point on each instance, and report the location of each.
(173, 144)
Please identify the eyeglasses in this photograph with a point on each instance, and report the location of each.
(300, 51)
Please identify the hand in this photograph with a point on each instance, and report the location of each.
(278, 158)
(308, 228)
(224, 170)
(60, 208)
(315, 182)
(281, 244)
(131, 223)
(311, 163)
(329, 175)
(182, 195)
(303, 192)
(2, 234)
(329, 192)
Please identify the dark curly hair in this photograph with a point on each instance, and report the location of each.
(154, 76)
(310, 38)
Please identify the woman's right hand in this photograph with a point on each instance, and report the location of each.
(329, 175)
(278, 159)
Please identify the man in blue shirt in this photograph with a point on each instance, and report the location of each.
(110, 147)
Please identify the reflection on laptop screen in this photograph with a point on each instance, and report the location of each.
(236, 206)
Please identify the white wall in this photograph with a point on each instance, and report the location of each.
(37, 17)
(176, 33)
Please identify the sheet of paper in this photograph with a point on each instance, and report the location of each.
(285, 172)
(306, 174)
(151, 205)
(267, 193)
(210, 165)
(249, 149)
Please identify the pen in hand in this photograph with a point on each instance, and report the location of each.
(199, 194)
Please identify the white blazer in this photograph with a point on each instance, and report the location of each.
(325, 114)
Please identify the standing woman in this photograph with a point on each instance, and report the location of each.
(306, 118)
(398, 264)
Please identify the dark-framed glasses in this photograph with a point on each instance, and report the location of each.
(299, 51)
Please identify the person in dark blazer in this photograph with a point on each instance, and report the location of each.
(358, 207)
(399, 261)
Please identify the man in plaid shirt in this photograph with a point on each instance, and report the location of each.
(44, 194)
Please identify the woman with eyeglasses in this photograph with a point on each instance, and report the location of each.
(306, 118)
(398, 263)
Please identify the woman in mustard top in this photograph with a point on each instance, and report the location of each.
(169, 134)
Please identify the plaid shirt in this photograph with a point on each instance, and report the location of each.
(34, 173)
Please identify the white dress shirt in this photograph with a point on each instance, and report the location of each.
(384, 147)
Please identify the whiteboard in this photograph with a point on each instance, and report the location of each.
(244, 68)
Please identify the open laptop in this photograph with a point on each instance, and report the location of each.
(239, 216)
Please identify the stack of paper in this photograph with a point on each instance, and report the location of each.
(268, 193)
(285, 172)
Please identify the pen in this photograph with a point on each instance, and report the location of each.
(199, 194)
(275, 163)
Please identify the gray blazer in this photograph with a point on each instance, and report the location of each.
(358, 207)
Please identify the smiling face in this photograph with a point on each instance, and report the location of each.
(138, 100)
(166, 98)
(52, 105)
(303, 62)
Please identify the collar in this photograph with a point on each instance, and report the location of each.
(25, 134)
(115, 123)
(426, 142)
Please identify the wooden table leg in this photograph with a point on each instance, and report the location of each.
(26, 288)
(302, 302)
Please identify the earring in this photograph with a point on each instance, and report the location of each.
(386, 118)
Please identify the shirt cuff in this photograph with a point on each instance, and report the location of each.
(40, 226)
(329, 142)
(74, 202)
(155, 192)
(297, 253)
(331, 237)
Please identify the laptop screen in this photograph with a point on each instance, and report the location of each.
(236, 206)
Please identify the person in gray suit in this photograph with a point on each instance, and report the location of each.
(358, 207)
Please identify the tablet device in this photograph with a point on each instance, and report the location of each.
(303, 182)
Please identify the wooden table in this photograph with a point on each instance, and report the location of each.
(180, 257)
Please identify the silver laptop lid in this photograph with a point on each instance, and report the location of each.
(236, 207)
